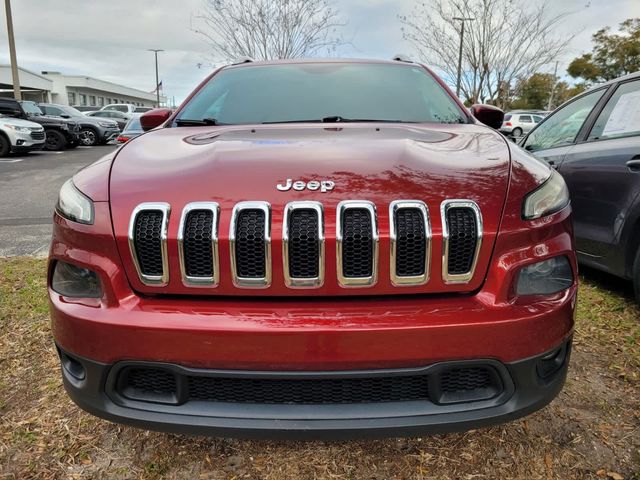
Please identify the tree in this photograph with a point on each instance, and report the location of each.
(269, 29)
(533, 93)
(507, 40)
(613, 55)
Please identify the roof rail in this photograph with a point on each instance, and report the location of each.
(241, 60)
(401, 58)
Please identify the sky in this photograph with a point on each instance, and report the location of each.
(107, 39)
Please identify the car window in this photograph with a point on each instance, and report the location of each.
(621, 115)
(525, 118)
(51, 110)
(313, 91)
(562, 127)
(537, 118)
(507, 117)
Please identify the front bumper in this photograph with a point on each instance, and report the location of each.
(524, 386)
(108, 134)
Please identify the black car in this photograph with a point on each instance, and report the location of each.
(93, 131)
(594, 142)
(60, 133)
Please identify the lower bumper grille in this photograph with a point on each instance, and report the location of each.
(450, 385)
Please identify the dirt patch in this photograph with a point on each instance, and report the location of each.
(591, 431)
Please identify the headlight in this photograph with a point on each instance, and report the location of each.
(546, 277)
(18, 129)
(72, 281)
(550, 197)
(107, 124)
(73, 205)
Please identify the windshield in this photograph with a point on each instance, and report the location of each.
(316, 91)
(72, 112)
(32, 108)
(133, 124)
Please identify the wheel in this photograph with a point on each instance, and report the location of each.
(5, 146)
(636, 276)
(55, 140)
(88, 137)
(516, 132)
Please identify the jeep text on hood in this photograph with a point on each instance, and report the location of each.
(314, 249)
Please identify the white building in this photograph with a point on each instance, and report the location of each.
(74, 90)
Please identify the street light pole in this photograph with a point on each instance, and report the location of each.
(155, 51)
(12, 52)
(461, 20)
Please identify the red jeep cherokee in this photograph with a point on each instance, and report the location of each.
(314, 249)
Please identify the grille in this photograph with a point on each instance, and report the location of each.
(469, 383)
(463, 239)
(145, 381)
(411, 242)
(197, 243)
(304, 248)
(249, 247)
(147, 240)
(357, 243)
(465, 379)
(37, 135)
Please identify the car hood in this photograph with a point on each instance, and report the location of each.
(378, 163)
(19, 122)
(87, 120)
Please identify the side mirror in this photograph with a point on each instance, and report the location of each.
(488, 114)
(154, 118)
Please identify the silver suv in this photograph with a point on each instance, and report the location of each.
(517, 124)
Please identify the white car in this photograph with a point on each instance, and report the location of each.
(126, 108)
(517, 124)
(21, 136)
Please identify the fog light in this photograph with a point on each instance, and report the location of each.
(546, 277)
(19, 142)
(72, 281)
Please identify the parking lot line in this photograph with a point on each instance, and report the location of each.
(14, 160)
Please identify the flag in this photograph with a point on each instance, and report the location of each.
(159, 87)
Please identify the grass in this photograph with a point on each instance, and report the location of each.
(592, 430)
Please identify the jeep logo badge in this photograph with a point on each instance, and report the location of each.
(299, 185)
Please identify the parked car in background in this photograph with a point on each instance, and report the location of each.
(131, 130)
(517, 124)
(115, 115)
(85, 108)
(93, 131)
(594, 142)
(19, 136)
(60, 133)
(126, 108)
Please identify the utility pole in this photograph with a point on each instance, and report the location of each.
(461, 20)
(155, 51)
(12, 52)
(553, 88)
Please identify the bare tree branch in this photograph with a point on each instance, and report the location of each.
(269, 29)
(507, 40)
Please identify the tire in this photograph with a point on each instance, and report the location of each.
(5, 146)
(516, 132)
(54, 140)
(636, 276)
(88, 137)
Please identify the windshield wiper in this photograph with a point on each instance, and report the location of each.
(339, 119)
(187, 122)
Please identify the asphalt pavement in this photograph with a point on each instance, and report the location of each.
(29, 186)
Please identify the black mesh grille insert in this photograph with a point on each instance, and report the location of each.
(250, 251)
(357, 243)
(463, 239)
(197, 243)
(147, 229)
(151, 381)
(411, 242)
(464, 383)
(304, 249)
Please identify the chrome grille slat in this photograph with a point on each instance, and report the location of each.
(303, 244)
(414, 251)
(254, 239)
(352, 239)
(461, 236)
(155, 269)
(198, 244)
